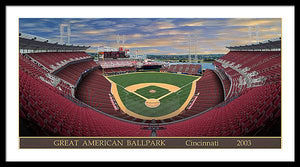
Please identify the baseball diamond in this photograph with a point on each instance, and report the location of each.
(152, 92)
(135, 94)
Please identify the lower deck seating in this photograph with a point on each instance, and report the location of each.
(94, 90)
(41, 104)
(209, 93)
(245, 115)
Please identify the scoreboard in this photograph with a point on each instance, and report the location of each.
(115, 54)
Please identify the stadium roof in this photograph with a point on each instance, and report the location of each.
(31, 42)
(272, 44)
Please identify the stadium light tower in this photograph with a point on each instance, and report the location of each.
(62, 35)
(123, 41)
(276, 33)
(189, 38)
(250, 34)
(196, 50)
(256, 32)
(136, 53)
(118, 40)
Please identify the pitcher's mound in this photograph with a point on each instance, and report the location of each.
(152, 91)
(152, 103)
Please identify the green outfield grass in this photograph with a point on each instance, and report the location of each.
(168, 104)
(146, 77)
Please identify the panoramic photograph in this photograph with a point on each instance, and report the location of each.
(150, 77)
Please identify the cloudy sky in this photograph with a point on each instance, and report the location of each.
(158, 35)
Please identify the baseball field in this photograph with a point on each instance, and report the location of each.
(153, 95)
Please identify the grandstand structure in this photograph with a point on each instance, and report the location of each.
(64, 92)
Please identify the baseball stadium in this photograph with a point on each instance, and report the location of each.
(65, 91)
